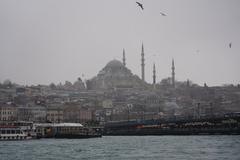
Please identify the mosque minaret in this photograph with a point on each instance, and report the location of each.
(142, 64)
(124, 59)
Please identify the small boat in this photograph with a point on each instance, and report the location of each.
(13, 133)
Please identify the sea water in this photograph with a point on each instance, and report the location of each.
(125, 147)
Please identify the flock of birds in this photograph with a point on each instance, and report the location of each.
(163, 14)
(141, 6)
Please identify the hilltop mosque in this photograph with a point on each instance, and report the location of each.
(116, 75)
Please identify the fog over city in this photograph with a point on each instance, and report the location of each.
(45, 41)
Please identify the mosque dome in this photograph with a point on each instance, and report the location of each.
(115, 68)
(114, 63)
(115, 74)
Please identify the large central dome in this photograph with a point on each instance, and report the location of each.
(115, 75)
(114, 63)
(115, 69)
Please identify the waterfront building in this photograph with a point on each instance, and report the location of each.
(39, 114)
(55, 115)
(76, 114)
(24, 113)
(8, 112)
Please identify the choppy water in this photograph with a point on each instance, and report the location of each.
(125, 147)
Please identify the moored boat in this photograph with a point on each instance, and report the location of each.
(67, 130)
(13, 133)
(74, 130)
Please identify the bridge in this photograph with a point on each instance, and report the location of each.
(216, 125)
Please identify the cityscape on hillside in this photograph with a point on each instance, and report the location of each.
(119, 79)
(116, 94)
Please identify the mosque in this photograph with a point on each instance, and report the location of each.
(116, 75)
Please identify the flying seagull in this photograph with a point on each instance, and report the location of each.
(163, 14)
(230, 45)
(140, 5)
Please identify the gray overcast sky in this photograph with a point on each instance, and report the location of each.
(43, 41)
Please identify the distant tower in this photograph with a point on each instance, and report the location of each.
(124, 59)
(154, 75)
(173, 73)
(142, 65)
(188, 83)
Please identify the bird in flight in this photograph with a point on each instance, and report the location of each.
(163, 14)
(140, 5)
(230, 45)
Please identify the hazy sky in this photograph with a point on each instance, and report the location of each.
(44, 41)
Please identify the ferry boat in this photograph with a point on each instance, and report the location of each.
(67, 130)
(74, 130)
(13, 133)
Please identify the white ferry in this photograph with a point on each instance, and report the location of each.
(13, 133)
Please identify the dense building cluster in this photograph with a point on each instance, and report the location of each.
(116, 94)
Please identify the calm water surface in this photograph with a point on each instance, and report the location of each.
(125, 147)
